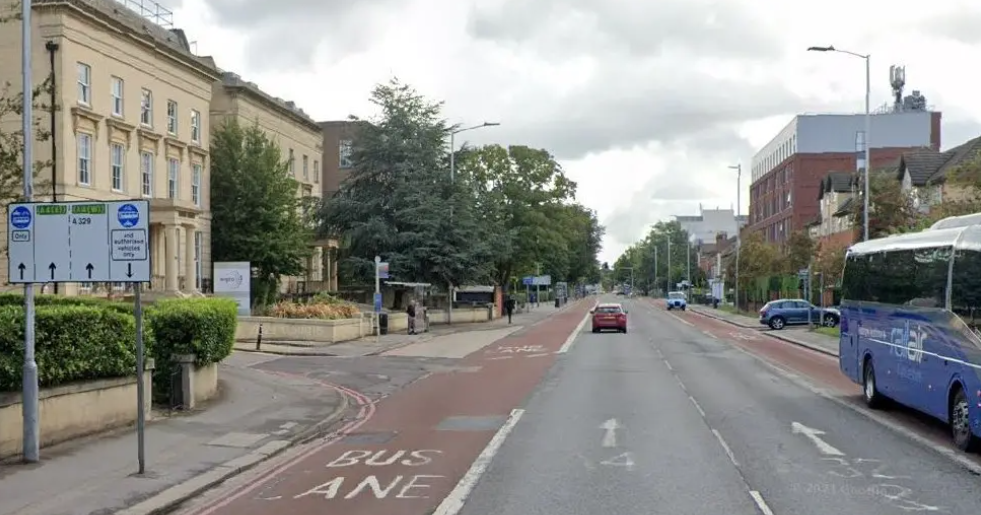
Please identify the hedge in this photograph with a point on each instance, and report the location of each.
(84, 338)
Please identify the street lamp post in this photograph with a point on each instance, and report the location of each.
(735, 289)
(668, 285)
(868, 128)
(453, 133)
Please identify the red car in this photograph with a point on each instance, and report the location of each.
(609, 316)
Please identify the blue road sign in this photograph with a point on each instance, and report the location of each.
(21, 217)
(129, 215)
(378, 302)
(528, 281)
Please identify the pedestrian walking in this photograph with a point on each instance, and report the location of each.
(509, 307)
(411, 312)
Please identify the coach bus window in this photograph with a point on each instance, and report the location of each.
(893, 280)
(854, 284)
(930, 279)
(965, 295)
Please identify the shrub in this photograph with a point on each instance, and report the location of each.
(17, 299)
(72, 343)
(204, 327)
(314, 310)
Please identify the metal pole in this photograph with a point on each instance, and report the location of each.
(807, 292)
(868, 144)
(140, 386)
(735, 289)
(32, 433)
(657, 286)
(52, 47)
(377, 294)
(669, 266)
(688, 259)
(449, 288)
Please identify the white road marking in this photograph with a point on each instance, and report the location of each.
(814, 435)
(760, 502)
(681, 384)
(536, 355)
(454, 502)
(501, 357)
(575, 334)
(625, 460)
(697, 406)
(710, 335)
(683, 321)
(610, 435)
(725, 447)
(668, 364)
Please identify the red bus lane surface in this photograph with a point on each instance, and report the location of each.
(822, 371)
(419, 442)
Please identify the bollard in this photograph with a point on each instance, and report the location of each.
(258, 340)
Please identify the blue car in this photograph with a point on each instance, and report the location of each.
(677, 300)
(783, 312)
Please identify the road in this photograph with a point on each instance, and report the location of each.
(682, 415)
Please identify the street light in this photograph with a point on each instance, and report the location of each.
(453, 133)
(868, 128)
(735, 290)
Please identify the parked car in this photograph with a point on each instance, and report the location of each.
(609, 316)
(677, 300)
(778, 314)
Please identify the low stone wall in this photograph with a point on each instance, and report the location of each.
(333, 331)
(74, 410)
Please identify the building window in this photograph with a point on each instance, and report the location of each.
(116, 153)
(198, 251)
(172, 117)
(195, 126)
(860, 141)
(146, 108)
(306, 168)
(345, 153)
(84, 84)
(292, 163)
(85, 159)
(173, 169)
(117, 96)
(196, 184)
(146, 173)
(316, 171)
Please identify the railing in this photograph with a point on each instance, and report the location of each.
(151, 10)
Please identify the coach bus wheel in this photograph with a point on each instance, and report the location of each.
(960, 422)
(872, 396)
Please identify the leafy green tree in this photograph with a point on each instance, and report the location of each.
(799, 251)
(12, 141)
(891, 209)
(256, 214)
(399, 202)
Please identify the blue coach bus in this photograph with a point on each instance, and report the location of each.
(910, 318)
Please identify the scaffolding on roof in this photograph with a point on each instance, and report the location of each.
(151, 10)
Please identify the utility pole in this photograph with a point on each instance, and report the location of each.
(657, 286)
(669, 266)
(735, 288)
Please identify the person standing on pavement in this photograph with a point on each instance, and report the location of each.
(509, 307)
(411, 312)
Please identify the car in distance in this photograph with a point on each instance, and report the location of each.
(677, 300)
(780, 313)
(609, 316)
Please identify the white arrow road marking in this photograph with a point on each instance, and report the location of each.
(610, 436)
(814, 435)
(623, 460)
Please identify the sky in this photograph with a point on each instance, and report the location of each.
(645, 104)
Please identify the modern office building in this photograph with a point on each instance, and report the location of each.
(788, 172)
(708, 223)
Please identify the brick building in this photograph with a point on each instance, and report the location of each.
(788, 173)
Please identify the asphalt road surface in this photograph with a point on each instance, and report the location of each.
(671, 419)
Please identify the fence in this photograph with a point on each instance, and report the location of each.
(764, 289)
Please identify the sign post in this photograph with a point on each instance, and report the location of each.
(86, 241)
(381, 272)
(804, 274)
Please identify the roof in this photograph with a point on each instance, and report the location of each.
(838, 182)
(233, 81)
(845, 208)
(930, 166)
(967, 237)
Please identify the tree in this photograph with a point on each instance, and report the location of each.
(891, 209)
(799, 251)
(256, 215)
(649, 259)
(757, 259)
(399, 202)
(830, 262)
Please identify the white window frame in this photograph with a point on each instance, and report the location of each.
(173, 178)
(196, 171)
(195, 126)
(83, 147)
(172, 125)
(146, 108)
(117, 90)
(198, 253)
(306, 167)
(84, 84)
(146, 173)
(316, 171)
(117, 167)
(292, 163)
(344, 154)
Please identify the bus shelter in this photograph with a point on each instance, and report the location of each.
(421, 293)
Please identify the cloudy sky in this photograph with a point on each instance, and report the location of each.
(645, 103)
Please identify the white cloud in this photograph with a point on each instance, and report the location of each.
(647, 106)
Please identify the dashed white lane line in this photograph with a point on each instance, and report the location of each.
(575, 334)
(697, 406)
(760, 502)
(725, 447)
(710, 335)
(454, 502)
(668, 364)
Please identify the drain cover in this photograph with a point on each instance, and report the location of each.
(463, 423)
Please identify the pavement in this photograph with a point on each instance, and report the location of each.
(258, 415)
(373, 346)
(798, 335)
